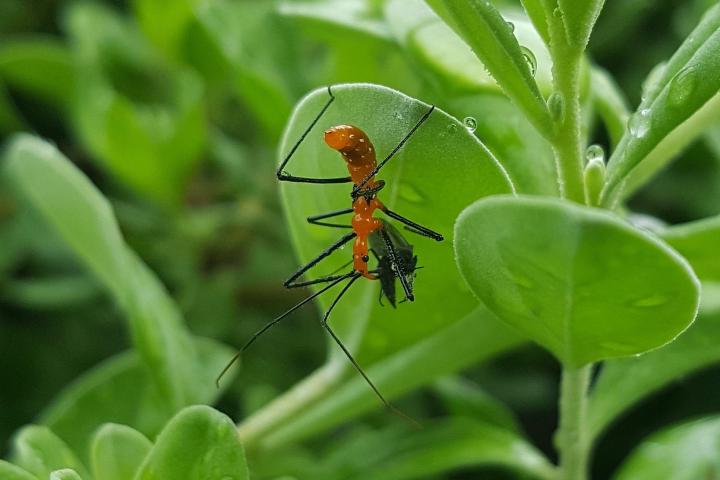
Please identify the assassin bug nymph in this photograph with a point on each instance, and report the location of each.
(394, 255)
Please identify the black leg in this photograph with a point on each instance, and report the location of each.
(315, 218)
(286, 177)
(289, 283)
(414, 227)
(277, 320)
(354, 362)
(356, 191)
(399, 267)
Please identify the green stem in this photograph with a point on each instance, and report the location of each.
(572, 437)
(289, 404)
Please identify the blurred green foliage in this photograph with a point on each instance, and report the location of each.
(149, 222)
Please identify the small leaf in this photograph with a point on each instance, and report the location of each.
(688, 451)
(624, 382)
(492, 40)
(698, 243)
(440, 447)
(676, 110)
(8, 471)
(579, 17)
(577, 280)
(197, 444)
(65, 474)
(117, 452)
(39, 451)
(121, 390)
(539, 16)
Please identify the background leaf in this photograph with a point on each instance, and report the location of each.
(12, 472)
(65, 474)
(682, 452)
(697, 242)
(197, 444)
(576, 280)
(117, 452)
(39, 451)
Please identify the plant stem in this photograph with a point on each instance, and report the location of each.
(288, 404)
(572, 438)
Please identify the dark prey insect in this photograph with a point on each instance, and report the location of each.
(394, 255)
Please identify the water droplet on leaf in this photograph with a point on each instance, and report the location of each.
(682, 86)
(470, 123)
(639, 123)
(652, 301)
(452, 128)
(529, 59)
(595, 153)
(511, 25)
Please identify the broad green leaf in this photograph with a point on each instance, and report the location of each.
(688, 451)
(492, 40)
(39, 66)
(121, 390)
(676, 110)
(577, 280)
(144, 120)
(39, 451)
(578, 17)
(610, 104)
(8, 471)
(477, 337)
(65, 474)
(197, 444)
(624, 382)
(440, 447)
(698, 242)
(354, 15)
(538, 14)
(440, 170)
(117, 452)
(84, 220)
(438, 47)
(165, 23)
(463, 398)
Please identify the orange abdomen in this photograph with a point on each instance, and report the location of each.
(355, 148)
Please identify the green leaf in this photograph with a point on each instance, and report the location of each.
(477, 337)
(65, 474)
(84, 220)
(579, 17)
(698, 242)
(537, 13)
(463, 398)
(687, 451)
(440, 447)
(38, 66)
(165, 23)
(143, 119)
(577, 280)
(350, 15)
(117, 452)
(197, 444)
(39, 451)
(610, 104)
(438, 47)
(624, 382)
(8, 471)
(439, 171)
(121, 390)
(492, 40)
(677, 108)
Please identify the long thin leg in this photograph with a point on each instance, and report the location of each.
(277, 320)
(356, 191)
(315, 219)
(286, 177)
(346, 238)
(354, 362)
(399, 267)
(414, 227)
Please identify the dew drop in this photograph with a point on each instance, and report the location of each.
(398, 116)
(409, 193)
(452, 128)
(639, 123)
(511, 25)
(556, 105)
(470, 123)
(529, 59)
(682, 86)
(652, 301)
(520, 280)
(595, 153)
